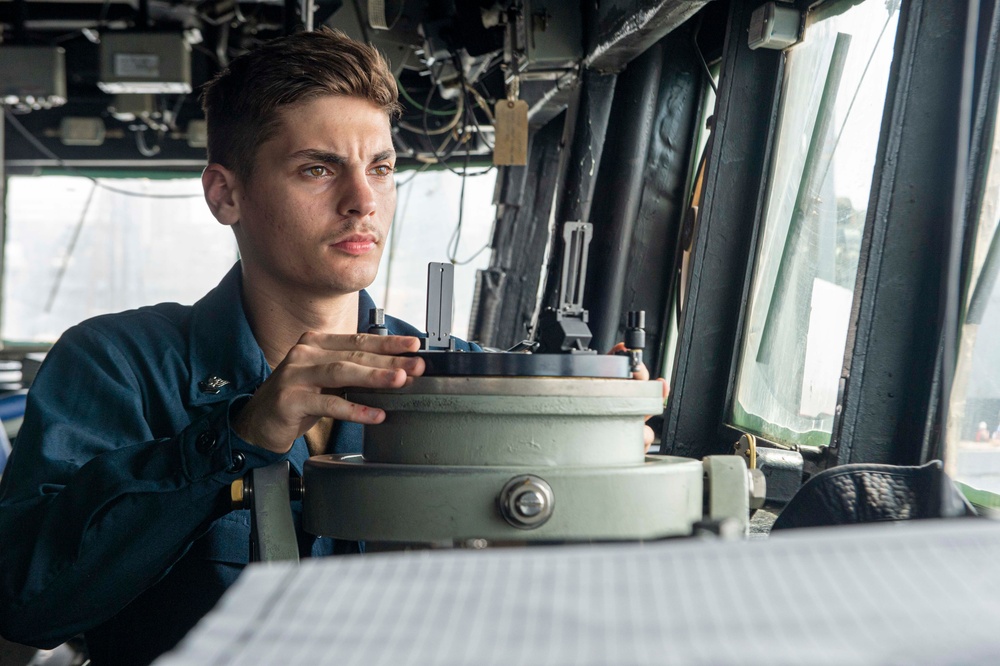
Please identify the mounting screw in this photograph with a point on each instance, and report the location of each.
(526, 502)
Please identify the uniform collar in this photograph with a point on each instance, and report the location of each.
(225, 359)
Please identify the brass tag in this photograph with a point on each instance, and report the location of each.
(511, 147)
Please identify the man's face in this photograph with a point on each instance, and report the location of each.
(315, 214)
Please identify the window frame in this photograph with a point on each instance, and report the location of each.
(738, 154)
(886, 404)
(815, 453)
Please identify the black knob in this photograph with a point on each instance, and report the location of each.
(376, 322)
(635, 333)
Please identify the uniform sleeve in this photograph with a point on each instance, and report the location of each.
(93, 508)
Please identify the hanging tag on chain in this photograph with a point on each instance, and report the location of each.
(511, 127)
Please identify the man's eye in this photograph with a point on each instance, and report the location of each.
(317, 171)
(382, 170)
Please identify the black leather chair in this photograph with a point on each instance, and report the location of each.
(866, 493)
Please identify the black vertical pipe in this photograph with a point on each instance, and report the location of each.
(652, 262)
(596, 95)
(634, 109)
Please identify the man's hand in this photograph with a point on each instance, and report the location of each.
(642, 374)
(303, 388)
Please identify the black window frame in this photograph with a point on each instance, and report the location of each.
(889, 406)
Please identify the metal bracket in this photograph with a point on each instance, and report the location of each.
(267, 491)
(782, 468)
(576, 248)
(728, 487)
(564, 328)
(440, 296)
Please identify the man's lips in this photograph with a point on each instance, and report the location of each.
(358, 244)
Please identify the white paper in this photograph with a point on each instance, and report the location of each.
(926, 592)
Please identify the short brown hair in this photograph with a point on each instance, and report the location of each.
(241, 103)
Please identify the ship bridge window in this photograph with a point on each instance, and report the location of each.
(817, 199)
(79, 246)
(973, 454)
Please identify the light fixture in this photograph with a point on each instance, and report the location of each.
(145, 62)
(81, 131)
(33, 77)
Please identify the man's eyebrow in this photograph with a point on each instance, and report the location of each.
(314, 155)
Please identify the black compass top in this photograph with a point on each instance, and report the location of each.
(502, 364)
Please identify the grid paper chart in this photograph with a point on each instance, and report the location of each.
(917, 593)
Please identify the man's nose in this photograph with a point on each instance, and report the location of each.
(357, 198)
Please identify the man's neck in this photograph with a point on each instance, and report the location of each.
(278, 318)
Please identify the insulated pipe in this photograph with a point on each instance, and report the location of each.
(596, 95)
(636, 98)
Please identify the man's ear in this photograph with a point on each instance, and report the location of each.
(222, 193)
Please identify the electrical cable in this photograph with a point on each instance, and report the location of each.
(701, 56)
(481, 101)
(443, 160)
(411, 176)
(417, 105)
(468, 100)
(42, 148)
(456, 235)
(475, 121)
(459, 112)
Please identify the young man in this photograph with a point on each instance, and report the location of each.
(115, 514)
